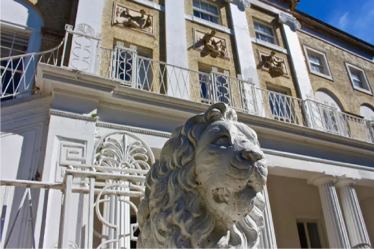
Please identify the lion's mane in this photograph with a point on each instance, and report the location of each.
(170, 214)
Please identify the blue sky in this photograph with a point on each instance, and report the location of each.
(355, 17)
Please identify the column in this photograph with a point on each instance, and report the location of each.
(267, 236)
(245, 55)
(88, 22)
(176, 49)
(357, 232)
(336, 231)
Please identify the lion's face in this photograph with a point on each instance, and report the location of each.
(229, 169)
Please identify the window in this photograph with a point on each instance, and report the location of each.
(214, 85)
(205, 84)
(358, 78)
(265, 32)
(206, 11)
(123, 66)
(317, 62)
(309, 234)
(280, 105)
(13, 42)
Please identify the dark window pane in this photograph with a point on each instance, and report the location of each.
(196, 13)
(313, 235)
(302, 235)
(196, 4)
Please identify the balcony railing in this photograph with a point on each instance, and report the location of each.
(123, 64)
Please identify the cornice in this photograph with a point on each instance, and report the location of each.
(305, 18)
(72, 115)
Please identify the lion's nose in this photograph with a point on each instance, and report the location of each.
(251, 155)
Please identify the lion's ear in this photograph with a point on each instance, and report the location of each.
(213, 115)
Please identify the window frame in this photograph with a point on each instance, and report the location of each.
(325, 63)
(262, 33)
(206, 12)
(319, 229)
(364, 78)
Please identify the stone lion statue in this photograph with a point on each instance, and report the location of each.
(205, 191)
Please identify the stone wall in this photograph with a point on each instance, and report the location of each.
(340, 86)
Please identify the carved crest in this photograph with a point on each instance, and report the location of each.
(210, 44)
(275, 65)
(134, 19)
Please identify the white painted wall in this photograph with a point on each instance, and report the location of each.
(24, 130)
(365, 196)
(292, 199)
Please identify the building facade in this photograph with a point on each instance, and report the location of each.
(92, 89)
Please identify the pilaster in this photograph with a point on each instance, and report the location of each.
(267, 236)
(176, 49)
(88, 23)
(356, 227)
(244, 51)
(335, 226)
(290, 25)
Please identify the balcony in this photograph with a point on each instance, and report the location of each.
(129, 69)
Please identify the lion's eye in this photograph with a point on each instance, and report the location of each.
(223, 141)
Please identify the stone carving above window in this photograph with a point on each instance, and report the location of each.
(130, 18)
(209, 44)
(275, 65)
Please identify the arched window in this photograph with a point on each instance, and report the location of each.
(367, 112)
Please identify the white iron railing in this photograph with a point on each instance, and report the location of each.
(124, 65)
(18, 73)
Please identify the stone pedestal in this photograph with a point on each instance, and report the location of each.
(356, 227)
(336, 230)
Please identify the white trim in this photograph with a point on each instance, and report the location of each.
(335, 45)
(364, 77)
(325, 64)
(269, 45)
(206, 12)
(209, 24)
(150, 4)
(264, 34)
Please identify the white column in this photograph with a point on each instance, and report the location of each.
(245, 55)
(357, 232)
(88, 22)
(267, 236)
(176, 49)
(336, 231)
